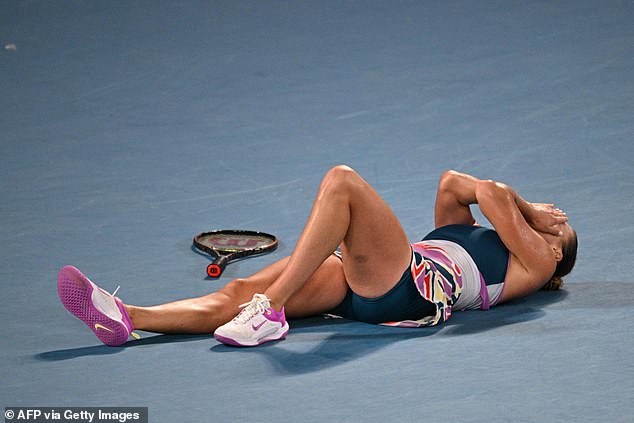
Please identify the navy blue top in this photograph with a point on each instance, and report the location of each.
(483, 245)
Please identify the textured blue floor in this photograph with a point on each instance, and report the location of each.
(127, 127)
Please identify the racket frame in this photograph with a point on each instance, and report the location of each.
(222, 256)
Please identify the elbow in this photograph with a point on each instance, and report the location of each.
(448, 179)
(449, 174)
(489, 189)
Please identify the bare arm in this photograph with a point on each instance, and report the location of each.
(457, 191)
(498, 203)
(516, 221)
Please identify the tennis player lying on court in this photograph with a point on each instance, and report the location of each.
(377, 277)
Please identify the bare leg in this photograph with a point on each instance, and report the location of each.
(350, 213)
(347, 212)
(323, 291)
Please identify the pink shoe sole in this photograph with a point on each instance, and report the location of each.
(75, 290)
(235, 343)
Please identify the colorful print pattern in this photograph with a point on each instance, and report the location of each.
(438, 279)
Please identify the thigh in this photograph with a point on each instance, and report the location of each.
(324, 290)
(375, 250)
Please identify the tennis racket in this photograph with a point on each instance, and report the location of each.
(228, 245)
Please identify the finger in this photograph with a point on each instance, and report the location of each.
(543, 205)
(556, 216)
(555, 230)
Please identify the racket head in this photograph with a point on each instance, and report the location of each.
(235, 243)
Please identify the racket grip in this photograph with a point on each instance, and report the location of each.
(215, 269)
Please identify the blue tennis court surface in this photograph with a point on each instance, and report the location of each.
(128, 127)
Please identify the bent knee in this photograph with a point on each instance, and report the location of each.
(241, 290)
(340, 178)
(340, 172)
(236, 288)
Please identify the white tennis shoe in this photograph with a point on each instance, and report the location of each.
(256, 324)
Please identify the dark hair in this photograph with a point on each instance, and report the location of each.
(568, 259)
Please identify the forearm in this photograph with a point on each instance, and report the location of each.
(457, 191)
(497, 201)
(524, 206)
(541, 217)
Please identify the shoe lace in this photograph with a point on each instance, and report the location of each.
(257, 305)
(134, 334)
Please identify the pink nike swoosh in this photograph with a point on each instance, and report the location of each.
(256, 328)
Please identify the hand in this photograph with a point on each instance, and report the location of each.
(546, 218)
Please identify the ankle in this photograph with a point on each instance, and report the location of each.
(132, 314)
(276, 305)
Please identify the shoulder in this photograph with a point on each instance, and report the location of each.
(521, 282)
